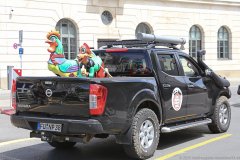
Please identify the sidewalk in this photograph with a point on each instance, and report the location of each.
(5, 100)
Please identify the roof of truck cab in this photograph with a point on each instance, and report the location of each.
(155, 50)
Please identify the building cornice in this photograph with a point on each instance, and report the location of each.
(211, 2)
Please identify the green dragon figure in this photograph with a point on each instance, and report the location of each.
(90, 64)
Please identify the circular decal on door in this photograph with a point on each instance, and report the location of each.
(177, 99)
(48, 92)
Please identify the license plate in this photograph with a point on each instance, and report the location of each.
(49, 127)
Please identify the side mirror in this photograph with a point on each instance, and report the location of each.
(208, 72)
(238, 92)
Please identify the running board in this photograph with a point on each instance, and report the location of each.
(185, 125)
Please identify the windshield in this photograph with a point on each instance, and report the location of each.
(126, 63)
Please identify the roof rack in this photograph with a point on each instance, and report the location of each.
(146, 40)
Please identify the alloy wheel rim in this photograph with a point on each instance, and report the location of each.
(223, 114)
(146, 134)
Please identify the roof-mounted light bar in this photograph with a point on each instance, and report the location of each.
(161, 39)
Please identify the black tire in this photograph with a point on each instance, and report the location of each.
(220, 121)
(145, 118)
(62, 145)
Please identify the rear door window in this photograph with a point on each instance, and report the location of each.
(126, 63)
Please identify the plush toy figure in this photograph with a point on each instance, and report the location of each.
(90, 64)
(57, 62)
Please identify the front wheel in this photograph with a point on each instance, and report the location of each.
(144, 135)
(221, 117)
(62, 145)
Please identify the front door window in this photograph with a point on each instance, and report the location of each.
(188, 68)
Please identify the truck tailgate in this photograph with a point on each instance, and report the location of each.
(53, 96)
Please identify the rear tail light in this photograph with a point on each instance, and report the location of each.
(14, 102)
(97, 99)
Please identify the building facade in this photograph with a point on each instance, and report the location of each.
(213, 25)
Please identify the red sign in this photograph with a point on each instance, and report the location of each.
(17, 73)
(15, 45)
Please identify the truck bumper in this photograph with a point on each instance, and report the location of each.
(70, 126)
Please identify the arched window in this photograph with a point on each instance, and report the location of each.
(143, 28)
(195, 41)
(68, 37)
(223, 43)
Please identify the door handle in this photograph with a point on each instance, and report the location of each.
(165, 85)
(190, 85)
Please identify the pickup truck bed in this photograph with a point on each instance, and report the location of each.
(69, 103)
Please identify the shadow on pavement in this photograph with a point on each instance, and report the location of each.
(98, 149)
(172, 139)
(236, 105)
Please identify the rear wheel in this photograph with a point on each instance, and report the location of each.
(221, 117)
(145, 135)
(62, 145)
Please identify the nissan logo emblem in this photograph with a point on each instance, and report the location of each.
(49, 92)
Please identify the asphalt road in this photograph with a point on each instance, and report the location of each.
(190, 144)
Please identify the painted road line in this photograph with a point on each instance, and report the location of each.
(16, 141)
(193, 147)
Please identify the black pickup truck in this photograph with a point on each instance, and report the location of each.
(153, 90)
